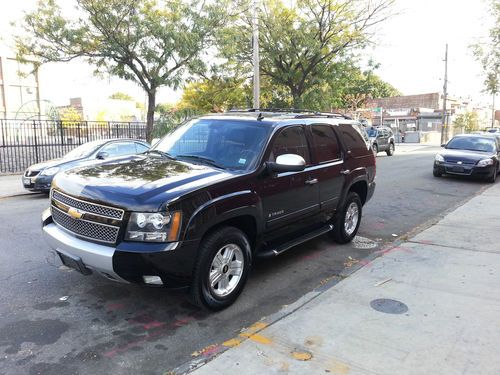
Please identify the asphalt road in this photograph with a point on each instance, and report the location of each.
(56, 321)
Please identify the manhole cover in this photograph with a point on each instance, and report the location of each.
(389, 306)
(363, 243)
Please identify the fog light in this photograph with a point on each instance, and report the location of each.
(155, 280)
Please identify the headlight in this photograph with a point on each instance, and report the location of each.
(485, 162)
(50, 171)
(154, 226)
(439, 158)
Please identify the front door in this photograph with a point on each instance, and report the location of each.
(289, 199)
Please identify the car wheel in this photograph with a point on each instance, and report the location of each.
(221, 269)
(436, 173)
(390, 150)
(375, 149)
(493, 176)
(347, 220)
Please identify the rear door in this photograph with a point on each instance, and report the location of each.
(328, 169)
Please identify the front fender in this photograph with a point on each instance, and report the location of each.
(222, 208)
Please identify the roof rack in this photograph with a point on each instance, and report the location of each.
(276, 110)
(301, 113)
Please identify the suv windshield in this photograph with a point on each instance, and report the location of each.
(230, 144)
(472, 144)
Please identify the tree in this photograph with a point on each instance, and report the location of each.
(299, 42)
(216, 94)
(488, 55)
(467, 122)
(150, 42)
(121, 96)
(364, 85)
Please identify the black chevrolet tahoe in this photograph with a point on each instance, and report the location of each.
(211, 196)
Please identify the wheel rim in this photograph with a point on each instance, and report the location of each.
(226, 270)
(351, 218)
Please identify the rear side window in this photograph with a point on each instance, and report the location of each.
(352, 138)
(325, 142)
(291, 141)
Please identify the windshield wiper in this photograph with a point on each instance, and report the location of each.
(202, 159)
(162, 153)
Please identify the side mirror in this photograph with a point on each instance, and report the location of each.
(102, 155)
(443, 145)
(287, 163)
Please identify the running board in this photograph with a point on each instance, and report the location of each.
(297, 241)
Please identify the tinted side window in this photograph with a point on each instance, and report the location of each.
(362, 131)
(325, 142)
(352, 139)
(139, 147)
(119, 148)
(291, 141)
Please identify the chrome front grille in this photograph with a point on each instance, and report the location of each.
(93, 208)
(84, 228)
(96, 222)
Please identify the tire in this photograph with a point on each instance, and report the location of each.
(213, 259)
(390, 150)
(343, 232)
(493, 177)
(375, 149)
(436, 173)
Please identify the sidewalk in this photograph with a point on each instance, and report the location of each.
(11, 185)
(446, 281)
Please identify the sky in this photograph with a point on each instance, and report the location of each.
(409, 47)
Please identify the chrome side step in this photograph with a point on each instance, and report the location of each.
(271, 253)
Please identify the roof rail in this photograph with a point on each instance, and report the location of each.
(301, 113)
(278, 110)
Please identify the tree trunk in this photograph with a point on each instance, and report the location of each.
(150, 116)
(297, 99)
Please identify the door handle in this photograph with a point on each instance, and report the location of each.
(345, 172)
(312, 181)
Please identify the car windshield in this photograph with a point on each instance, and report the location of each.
(372, 132)
(472, 144)
(228, 144)
(83, 150)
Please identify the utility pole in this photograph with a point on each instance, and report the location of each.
(493, 111)
(444, 137)
(256, 58)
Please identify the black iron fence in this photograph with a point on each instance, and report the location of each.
(26, 142)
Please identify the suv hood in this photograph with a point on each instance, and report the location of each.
(139, 182)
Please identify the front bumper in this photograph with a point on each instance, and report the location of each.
(465, 170)
(128, 261)
(38, 183)
(97, 257)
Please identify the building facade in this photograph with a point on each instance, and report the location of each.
(19, 90)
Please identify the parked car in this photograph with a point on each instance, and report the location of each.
(38, 177)
(472, 155)
(382, 139)
(211, 196)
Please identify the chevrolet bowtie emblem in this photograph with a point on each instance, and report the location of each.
(459, 162)
(75, 213)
